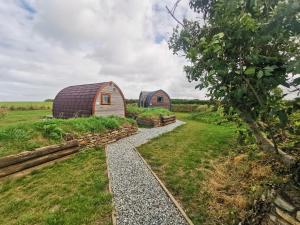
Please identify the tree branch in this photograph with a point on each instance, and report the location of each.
(172, 12)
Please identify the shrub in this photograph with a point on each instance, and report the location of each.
(190, 101)
(3, 113)
(52, 131)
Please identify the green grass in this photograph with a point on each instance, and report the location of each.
(152, 113)
(26, 105)
(181, 157)
(16, 117)
(30, 135)
(71, 192)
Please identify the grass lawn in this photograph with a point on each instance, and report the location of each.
(71, 192)
(15, 117)
(180, 159)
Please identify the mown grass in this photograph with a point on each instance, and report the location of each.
(26, 105)
(151, 113)
(27, 136)
(71, 192)
(16, 117)
(181, 157)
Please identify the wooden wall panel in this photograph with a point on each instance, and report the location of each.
(117, 106)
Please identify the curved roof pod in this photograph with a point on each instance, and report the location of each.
(80, 100)
(147, 99)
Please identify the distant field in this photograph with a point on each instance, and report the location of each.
(16, 117)
(26, 105)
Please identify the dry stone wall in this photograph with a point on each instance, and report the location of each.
(162, 121)
(96, 139)
(286, 207)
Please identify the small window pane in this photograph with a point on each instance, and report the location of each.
(160, 99)
(105, 99)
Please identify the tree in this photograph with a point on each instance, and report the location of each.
(241, 52)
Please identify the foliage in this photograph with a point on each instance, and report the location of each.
(190, 101)
(132, 101)
(30, 135)
(71, 192)
(3, 113)
(243, 51)
(138, 112)
(23, 106)
(190, 108)
(49, 100)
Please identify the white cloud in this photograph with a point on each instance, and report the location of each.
(47, 45)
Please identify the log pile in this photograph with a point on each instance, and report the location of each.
(16, 163)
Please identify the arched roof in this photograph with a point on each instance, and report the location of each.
(76, 100)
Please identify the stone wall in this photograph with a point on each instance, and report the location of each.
(162, 121)
(286, 207)
(92, 140)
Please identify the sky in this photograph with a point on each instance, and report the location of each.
(46, 45)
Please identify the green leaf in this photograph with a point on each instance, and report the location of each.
(250, 70)
(260, 74)
(269, 69)
(283, 117)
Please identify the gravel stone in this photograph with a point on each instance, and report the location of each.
(139, 199)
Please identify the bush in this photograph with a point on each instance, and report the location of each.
(190, 101)
(3, 113)
(52, 131)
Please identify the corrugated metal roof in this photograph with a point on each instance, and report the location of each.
(76, 100)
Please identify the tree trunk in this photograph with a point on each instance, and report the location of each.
(261, 138)
(266, 144)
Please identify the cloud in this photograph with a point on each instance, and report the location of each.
(47, 45)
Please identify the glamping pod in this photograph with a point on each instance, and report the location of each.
(98, 99)
(157, 98)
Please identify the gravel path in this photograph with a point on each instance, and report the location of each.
(139, 199)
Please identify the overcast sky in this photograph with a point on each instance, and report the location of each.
(46, 45)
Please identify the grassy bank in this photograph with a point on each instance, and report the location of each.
(213, 178)
(30, 135)
(151, 113)
(71, 192)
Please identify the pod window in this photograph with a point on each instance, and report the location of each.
(105, 99)
(160, 99)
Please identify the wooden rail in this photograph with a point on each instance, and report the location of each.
(16, 163)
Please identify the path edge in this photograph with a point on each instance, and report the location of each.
(114, 212)
(174, 201)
